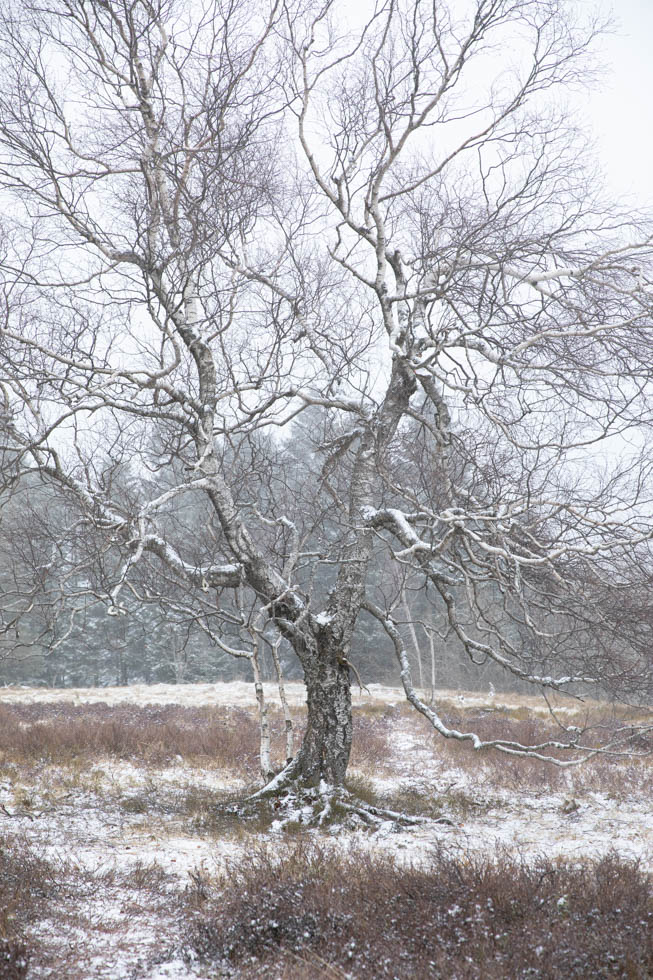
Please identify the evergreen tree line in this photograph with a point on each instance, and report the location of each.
(59, 630)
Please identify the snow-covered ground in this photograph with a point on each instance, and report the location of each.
(241, 694)
(99, 822)
(572, 824)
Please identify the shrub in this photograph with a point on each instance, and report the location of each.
(14, 959)
(26, 882)
(153, 733)
(453, 917)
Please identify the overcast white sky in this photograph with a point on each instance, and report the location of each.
(622, 111)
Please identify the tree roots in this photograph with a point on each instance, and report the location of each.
(292, 808)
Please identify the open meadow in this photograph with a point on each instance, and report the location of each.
(123, 853)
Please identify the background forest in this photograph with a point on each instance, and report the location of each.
(66, 636)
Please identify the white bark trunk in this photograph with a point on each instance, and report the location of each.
(413, 636)
(264, 724)
(287, 717)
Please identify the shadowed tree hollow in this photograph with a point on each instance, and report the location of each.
(316, 323)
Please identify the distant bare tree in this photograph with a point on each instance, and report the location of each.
(224, 215)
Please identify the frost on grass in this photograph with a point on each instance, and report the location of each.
(134, 828)
(456, 916)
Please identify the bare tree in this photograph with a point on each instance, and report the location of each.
(223, 216)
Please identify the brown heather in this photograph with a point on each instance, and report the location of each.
(313, 913)
(155, 734)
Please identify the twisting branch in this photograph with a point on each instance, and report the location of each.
(538, 751)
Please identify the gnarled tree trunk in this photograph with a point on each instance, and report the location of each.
(324, 753)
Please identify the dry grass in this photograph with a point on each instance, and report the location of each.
(75, 905)
(27, 884)
(151, 734)
(371, 746)
(152, 771)
(454, 917)
(630, 772)
(201, 812)
(228, 739)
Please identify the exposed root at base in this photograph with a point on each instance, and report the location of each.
(294, 808)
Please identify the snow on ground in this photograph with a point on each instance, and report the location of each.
(571, 825)
(234, 694)
(99, 830)
(241, 694)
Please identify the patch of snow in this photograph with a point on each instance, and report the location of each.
(242, 694)
(323, 618)
(86, 828)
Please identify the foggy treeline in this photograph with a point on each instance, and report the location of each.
(60, 631)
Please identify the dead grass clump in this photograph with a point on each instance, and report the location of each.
(413, 802)
(371, 733)
(218, 814)
(14, 959)
(156, 734)
(26, 883)
(456, 916)
(202, 811)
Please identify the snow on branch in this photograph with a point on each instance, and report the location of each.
(400, 524)
(539, 751)
(227, 576)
